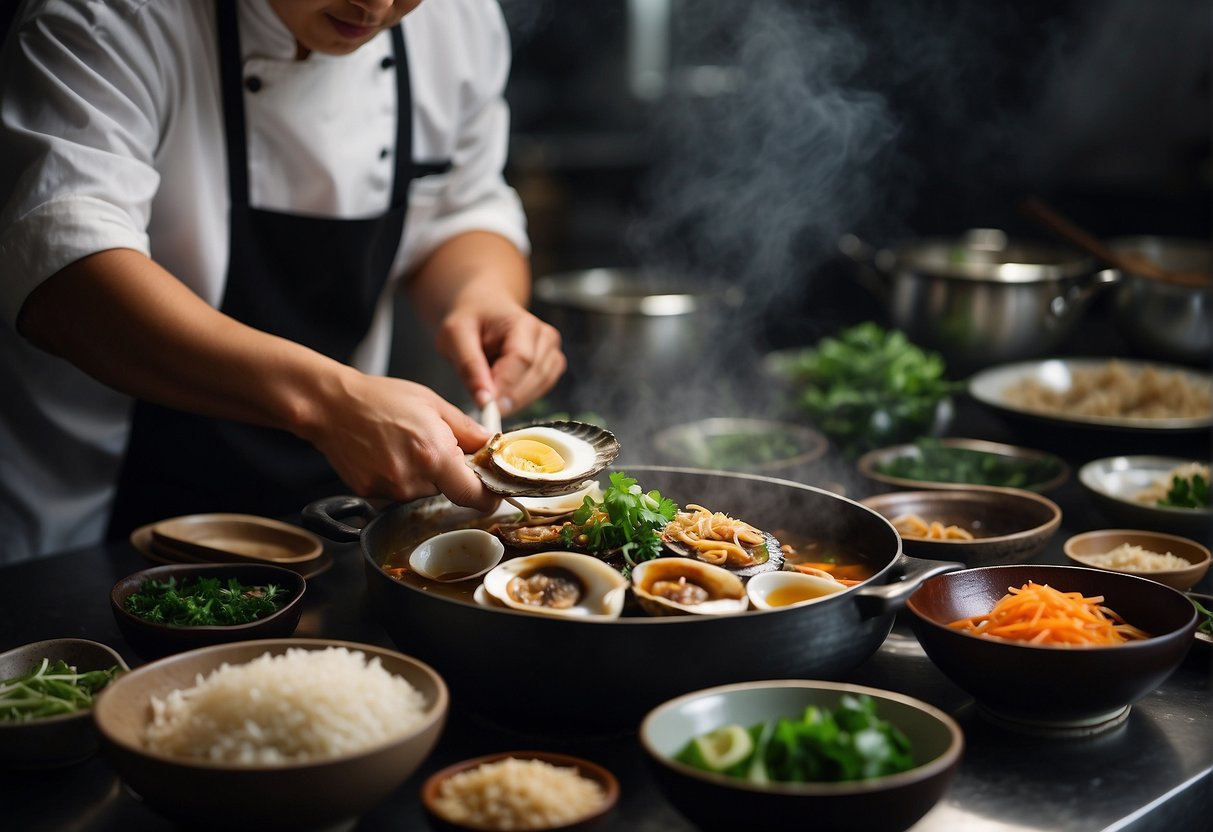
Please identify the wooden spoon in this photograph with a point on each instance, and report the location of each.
(1129, 261)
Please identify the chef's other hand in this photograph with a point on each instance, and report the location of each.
(395, 439)
(502, 353)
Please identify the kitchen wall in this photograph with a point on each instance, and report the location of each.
(739, 140)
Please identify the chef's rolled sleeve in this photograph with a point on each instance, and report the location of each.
(54, 235)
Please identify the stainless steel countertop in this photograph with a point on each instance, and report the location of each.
(1154, 771)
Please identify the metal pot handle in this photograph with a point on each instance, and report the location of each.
(324, 517)
(884, 599)
(1082, 291)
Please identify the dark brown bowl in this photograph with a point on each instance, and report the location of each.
(52, 741)
(1008, 525)
(218, 795)
(869, 465)
(1053, 689)
(719, 802)
(593, 771)
(151, 640)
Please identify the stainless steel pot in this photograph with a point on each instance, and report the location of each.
(595, 676)
(1165, 320)
(621, 323)
(980, 299)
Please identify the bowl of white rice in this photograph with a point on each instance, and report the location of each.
(279, 733)
(1168, 559)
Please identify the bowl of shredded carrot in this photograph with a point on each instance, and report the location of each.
(1048, 649)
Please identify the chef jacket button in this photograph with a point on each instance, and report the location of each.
(388, 62)
(383, 153)
(252, 83)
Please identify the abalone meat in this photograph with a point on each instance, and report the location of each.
(544, 460)
(566, 584)
(682, 586)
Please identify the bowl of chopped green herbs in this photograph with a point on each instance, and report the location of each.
(168, 609)
(786, 754)
(47, 690)
(955, 463)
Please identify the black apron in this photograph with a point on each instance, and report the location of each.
(316, 281)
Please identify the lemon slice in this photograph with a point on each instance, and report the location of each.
(723, 748)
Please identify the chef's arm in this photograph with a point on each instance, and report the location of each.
(472, 292)
(127, 322)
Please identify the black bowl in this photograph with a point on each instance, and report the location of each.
(151, 640)
(1046, 689)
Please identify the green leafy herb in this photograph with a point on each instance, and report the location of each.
(50, 689)
(1206, 617)
(204, 602)
(934, 461)
(867, 387)
(1187, 492)
(849, 743)
(627, 520)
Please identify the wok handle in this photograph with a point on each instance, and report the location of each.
(884, 599)
(324, 517)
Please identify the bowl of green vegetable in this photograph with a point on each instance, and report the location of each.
(168, 609)
(46, 700)
(759, 446)
(1169, 494)
(958, 463)
(865, 387)
(792, 754)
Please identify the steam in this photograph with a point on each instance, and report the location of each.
(766, 152)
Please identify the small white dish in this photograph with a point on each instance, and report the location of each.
(777, 590)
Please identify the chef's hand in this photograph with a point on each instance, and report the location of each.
(503, 354)
(399, 440)
(472, 290)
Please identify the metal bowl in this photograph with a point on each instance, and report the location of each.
(1114, 482)
(1165, 320)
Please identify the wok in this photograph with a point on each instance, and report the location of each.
(550, 673)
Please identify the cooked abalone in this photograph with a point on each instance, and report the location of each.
(721, 540)
(682, 586)
(544, 460)
(558, 583)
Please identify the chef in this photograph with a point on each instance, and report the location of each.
(206, 209)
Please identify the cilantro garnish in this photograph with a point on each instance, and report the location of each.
(627, 519)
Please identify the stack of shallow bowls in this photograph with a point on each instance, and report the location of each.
(232, 538)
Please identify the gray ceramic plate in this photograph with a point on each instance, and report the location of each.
(1115, 481)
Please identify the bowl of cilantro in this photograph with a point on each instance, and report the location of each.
(785, 753)
(47, 690)
(168, 609)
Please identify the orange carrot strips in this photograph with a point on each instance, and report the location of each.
(1038, 614)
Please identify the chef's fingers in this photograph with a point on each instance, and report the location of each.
(459, 341)
(531, 362)
(469, 433)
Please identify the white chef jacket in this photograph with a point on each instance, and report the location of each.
(111, 130)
